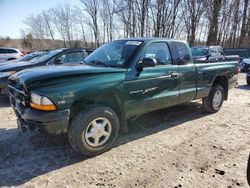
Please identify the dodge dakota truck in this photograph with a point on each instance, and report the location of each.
(93, 102)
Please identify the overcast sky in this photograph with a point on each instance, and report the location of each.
(13, 12)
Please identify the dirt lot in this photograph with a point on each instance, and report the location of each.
(175, 147)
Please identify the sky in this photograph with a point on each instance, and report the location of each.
(13, 12)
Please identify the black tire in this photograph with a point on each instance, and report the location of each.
(81, 122)
(248, 82)
(207, 102)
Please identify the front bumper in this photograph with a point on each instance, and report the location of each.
(53, 122)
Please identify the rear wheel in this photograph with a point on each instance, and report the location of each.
(94, 131)
(213, 102)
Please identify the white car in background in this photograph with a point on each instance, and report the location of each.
(7, 54)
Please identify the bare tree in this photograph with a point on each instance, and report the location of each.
(243, 32)
(192, 15)
(80, 18)
(213, 12)
(48, 25)
(63, 20)
(36, 28)
(91, 7)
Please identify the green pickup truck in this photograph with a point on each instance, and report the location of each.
(122, 79)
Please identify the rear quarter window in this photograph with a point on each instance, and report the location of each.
(182, 51)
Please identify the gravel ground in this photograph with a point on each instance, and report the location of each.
(175, 147)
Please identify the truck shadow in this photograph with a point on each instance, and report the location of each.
(29, 155)
(4, 101)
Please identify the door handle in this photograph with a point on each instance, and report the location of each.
(174, 75)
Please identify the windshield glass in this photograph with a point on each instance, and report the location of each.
(44, 56)
(113, 54)
(28, 57)
(199, 51)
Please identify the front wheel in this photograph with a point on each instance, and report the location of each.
(213, 102)
(94, 131)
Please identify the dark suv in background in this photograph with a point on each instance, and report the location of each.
(52, 57)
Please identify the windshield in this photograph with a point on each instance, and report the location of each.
(28, 57)
(113, 54)
(44, 56)
(199, 51)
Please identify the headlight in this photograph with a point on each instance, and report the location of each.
(41, 102)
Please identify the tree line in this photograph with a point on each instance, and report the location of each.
(200, 22)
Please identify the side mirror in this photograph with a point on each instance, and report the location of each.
(58, 62)
(146, 62)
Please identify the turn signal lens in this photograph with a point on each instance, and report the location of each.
(43, 107)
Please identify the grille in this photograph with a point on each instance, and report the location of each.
(17, 91)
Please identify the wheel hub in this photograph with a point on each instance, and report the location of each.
(217, 99)
(98, 132)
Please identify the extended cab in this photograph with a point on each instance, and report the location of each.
(120, 80)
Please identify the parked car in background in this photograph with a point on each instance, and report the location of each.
(211, 53)
(7, 54)
(25, 58)
(121, 80)
(53, 57)
(29, 56)
(245, 65)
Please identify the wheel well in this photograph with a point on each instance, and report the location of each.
(223, 81)
(108, 99)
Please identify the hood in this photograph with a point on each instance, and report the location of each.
(51, 73)
(17, 66)
(246, 60)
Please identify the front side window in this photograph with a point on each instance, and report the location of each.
(72, 57)
(182, 52)
(113, 54)
(160, 52)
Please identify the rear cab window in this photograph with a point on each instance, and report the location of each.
(181, 52)
(160, 52)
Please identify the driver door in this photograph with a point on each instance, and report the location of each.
(154, 87)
